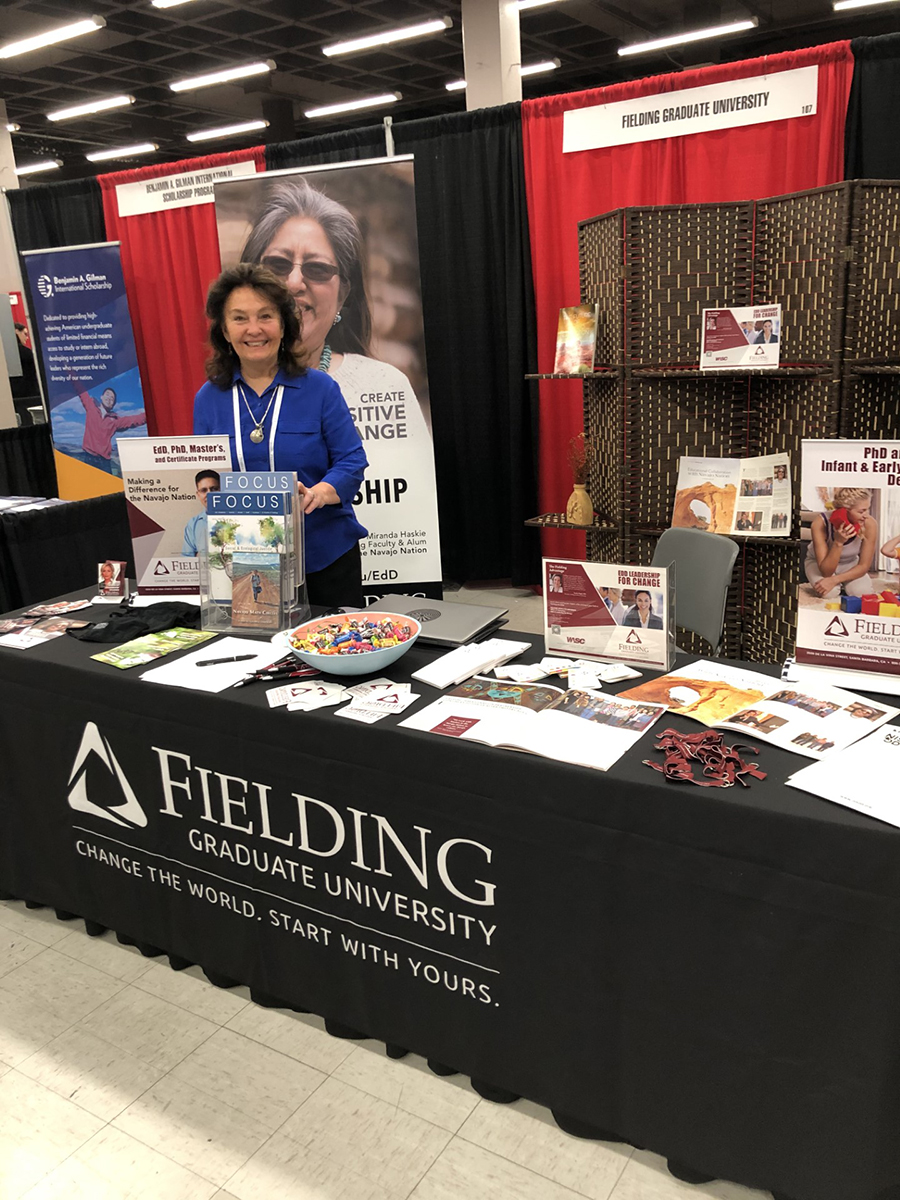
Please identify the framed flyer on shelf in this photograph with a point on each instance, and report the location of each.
(740, 337)
(848, 602)
(610, 612)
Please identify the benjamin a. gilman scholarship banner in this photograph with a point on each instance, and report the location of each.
(848, 612)
(86, 345)
(365, 327)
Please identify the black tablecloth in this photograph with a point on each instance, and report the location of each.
(711, 974)
(49, 550)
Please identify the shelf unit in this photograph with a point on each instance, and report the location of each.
(831, 258)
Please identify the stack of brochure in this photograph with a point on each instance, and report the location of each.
(466, 661)
(797, 717)
(580, 727)
(863, 777)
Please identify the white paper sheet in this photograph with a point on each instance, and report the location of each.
(184, 672)
(863, 777)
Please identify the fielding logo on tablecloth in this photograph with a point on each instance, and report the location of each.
(95, 748)
(348, 882)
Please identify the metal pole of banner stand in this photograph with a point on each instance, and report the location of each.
(10, 278)
(389, 137)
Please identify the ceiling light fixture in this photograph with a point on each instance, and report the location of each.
(532, 69)
(388, 36)
(12, 127)
(61, 34)
(351, 105)
(203, 135)
(168, 3)
(122, 152)
(93, 106)
(696, 35)
(226, 76)
(540, 68)
(49, 165)
(840, 5)
(523, 4)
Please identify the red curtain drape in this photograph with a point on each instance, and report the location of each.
(169, 258)
(730, 164)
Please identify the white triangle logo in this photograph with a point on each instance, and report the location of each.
(129, 813)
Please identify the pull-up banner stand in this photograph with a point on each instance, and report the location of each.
(360, 216)
(87, 354)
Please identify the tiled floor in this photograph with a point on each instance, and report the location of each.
(526, 608)
(121, 1079)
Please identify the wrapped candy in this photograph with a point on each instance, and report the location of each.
(353, 637)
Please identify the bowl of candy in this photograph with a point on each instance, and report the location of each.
(356, 643)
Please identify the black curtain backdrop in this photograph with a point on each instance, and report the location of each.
(871, 145)
(49, 551)
(479, 336)
(479, 326)
(26, 462)
(45, 215)
(327, 148)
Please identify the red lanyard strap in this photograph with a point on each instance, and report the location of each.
(721, 765)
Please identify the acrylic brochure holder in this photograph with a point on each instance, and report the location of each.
(671, 644)
(252, 559)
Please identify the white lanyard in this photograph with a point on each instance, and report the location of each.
(238, 437)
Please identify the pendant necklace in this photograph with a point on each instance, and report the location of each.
(257, 433)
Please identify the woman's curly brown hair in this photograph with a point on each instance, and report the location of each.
(223, 360)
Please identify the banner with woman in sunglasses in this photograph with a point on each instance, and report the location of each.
(343, 240)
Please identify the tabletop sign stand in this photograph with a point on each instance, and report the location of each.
(252, 561)
(593, 611)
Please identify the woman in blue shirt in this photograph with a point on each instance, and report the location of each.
(280, 416)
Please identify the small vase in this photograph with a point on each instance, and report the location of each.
(580, 510)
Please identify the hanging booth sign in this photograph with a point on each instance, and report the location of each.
(728, 105)
(92, 382)
(848, 613)
(371, 323)
(176, 191)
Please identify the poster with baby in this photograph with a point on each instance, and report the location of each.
(848, 612)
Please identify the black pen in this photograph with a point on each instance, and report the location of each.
(215, 662)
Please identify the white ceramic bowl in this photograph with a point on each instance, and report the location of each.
(370, 662)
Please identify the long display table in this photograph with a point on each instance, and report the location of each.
(711, 974)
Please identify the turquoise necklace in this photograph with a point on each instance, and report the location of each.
(325, 360)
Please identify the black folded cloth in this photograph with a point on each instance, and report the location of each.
(124, 623)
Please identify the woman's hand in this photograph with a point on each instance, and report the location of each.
(317, 496)
(845, 533)
(825, 585)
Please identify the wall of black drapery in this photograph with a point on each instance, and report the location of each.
(477, 293)
(871, 145)
(478, 306)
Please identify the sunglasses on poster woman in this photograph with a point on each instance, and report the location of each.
(312, 270)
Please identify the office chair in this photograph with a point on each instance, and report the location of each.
(703, 567)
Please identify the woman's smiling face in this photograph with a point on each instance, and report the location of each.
(301, 239)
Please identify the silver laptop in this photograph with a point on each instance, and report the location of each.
(443, 622)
